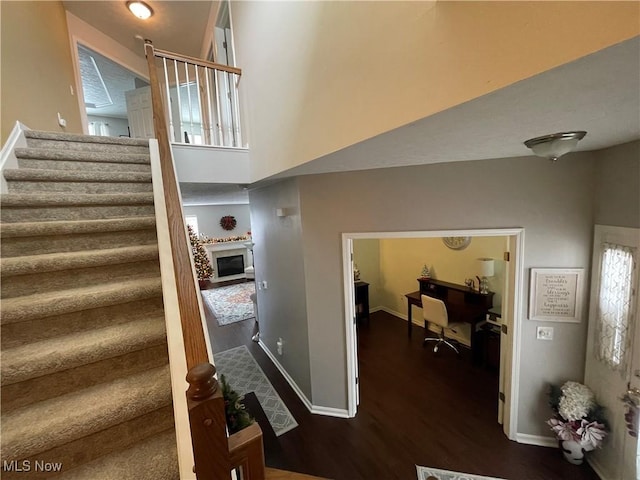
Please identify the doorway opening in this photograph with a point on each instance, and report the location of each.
(398, 270)
(104, 87)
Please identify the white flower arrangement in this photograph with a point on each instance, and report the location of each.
(576, 401)
(578, 416)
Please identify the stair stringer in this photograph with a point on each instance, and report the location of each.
(175, 339)
(8, 157)
(97, 417)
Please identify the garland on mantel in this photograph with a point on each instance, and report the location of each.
(205, 239)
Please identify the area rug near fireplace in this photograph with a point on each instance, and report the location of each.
(231, 303)
(425, 472)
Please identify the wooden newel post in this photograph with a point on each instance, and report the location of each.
(208, 424)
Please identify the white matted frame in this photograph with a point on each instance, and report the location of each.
(556, 294)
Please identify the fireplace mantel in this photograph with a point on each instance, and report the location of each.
(226, 249)
(225, 245)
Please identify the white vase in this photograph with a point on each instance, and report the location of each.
(572, 451)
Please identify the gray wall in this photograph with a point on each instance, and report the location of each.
(279, 259)
(618, 188)
(209, 219)
(553, 202)
(556, 203)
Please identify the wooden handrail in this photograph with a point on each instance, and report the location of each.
(192, 330)
(212, 449)
(196, 61)
(246, 451)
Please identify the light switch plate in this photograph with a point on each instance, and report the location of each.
(544, 333)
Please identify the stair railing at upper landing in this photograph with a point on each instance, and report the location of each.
(203, 98)
(215, 454)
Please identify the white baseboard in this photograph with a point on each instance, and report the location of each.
(316, 409)
(330, 411)
(7, 156)
(286, 376)
(403, 316)
(551, 442)
(538, 440)
(597, 468)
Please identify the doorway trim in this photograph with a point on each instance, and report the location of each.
(81, 33)
(514, 316)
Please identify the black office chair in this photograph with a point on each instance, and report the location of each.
(435, 311)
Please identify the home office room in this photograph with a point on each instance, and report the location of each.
(468, 275)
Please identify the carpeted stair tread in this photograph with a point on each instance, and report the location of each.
(28, 392)
(32, 200)
(59, 420)
(41, 175)
(74, 137)
(67, 227)
(81, 156)
(84, 372)
(70, 351)
(39, 329)
(154, 459)
(55, 262)
(30, 307)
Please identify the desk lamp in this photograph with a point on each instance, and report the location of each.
(486, 270)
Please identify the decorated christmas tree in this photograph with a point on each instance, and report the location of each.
(203, 266)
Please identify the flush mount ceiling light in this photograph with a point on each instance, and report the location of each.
(555, 145)
(140, 9)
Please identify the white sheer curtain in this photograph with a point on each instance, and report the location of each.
(615, 305)
(99, 128)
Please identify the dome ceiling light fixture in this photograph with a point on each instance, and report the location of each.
(140, 9)
(555, 145)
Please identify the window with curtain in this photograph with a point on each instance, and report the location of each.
(615, 303)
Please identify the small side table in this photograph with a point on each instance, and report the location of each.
(362, 300)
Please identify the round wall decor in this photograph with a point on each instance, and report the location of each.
(228, 222)
(456, 243)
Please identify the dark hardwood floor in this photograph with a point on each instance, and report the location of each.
(415, 408)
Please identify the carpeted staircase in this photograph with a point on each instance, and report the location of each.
(84, 367)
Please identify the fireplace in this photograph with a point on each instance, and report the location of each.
(231, 265)
(228, 260)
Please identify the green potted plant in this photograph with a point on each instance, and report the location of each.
(237, 417)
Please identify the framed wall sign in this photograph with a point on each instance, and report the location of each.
(556, 294)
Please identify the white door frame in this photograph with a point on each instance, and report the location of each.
(513, 318)
(609, 385)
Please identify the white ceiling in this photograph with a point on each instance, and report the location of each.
(213, 194)
(104, 83)
(599, 93)
(178, 26)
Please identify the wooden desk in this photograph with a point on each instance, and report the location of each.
(463, 303)
(362, 300)
(413, 298)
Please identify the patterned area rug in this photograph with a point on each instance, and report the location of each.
(245, 375)
(425, 472)
(232, 303)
